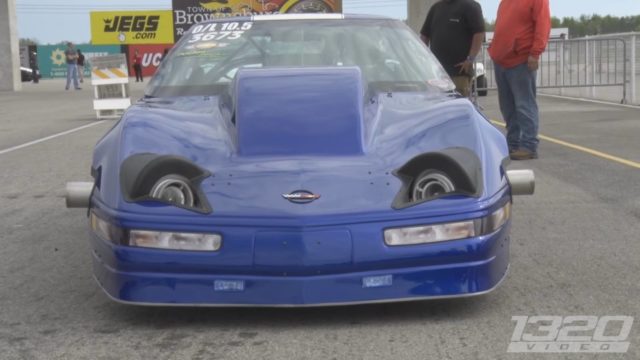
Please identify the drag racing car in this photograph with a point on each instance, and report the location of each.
(299, 160)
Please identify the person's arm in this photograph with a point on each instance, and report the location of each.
(542, 27)
(475, 21)
(476, 44)
(425, 32)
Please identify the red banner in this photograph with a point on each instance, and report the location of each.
(150, 57)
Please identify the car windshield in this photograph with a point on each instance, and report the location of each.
(389, 55)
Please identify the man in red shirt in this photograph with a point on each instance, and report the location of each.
(521, 35)
(137, 66)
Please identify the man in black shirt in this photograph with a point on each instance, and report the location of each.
(454, 30)
(33, 63)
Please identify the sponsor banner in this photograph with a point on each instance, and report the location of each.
(189, 12)
(150, 57)
(131, 27)
(52, 62)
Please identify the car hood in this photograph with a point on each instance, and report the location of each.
(396, 127)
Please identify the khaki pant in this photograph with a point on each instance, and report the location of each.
(81, 73)
(463, 84)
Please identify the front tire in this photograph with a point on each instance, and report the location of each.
(482, 85)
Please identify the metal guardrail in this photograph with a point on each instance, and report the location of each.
(579, 63)
(632, 39)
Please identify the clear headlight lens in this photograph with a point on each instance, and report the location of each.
(450, 231)
(105, 230)
(154, 239)
(175, 241)
(430, 234)
(496, 220)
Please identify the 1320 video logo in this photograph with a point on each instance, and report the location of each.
(571, 334)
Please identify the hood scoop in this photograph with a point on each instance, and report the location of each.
(299, 111)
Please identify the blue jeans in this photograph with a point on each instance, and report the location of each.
(72, 72)
(517, 97)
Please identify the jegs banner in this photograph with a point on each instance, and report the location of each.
(189, 12)
(131, 27)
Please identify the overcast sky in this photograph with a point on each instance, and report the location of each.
(54, 21)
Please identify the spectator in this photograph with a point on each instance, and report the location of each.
(81, 65)
(72, 66)
(521, 35)
(137, 66)
(33, 64)
(454, 30)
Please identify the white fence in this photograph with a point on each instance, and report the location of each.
(598, 67)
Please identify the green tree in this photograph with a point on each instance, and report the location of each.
(596, 24)
(28, 41)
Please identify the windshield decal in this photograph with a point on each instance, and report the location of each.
(216, 31)
(206, 45)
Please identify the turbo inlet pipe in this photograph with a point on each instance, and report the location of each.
(78, 194)
(523, 182)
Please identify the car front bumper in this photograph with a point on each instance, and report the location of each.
(443, 270)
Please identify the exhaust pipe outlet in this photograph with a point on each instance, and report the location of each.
(523, 182)
(78, 194)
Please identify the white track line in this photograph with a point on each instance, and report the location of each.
(593, 101)
(34, 142)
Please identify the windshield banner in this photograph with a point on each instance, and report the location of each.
(189, 12)
(131, 27)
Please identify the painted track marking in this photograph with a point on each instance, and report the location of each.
(47, 138)
(584, 149)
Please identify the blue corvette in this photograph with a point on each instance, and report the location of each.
(299, 160)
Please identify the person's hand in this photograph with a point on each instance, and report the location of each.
(533, 63)
(465, 67)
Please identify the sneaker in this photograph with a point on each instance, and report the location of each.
(523, 155)
(78, 88)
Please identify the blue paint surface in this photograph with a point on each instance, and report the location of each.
(283, 111)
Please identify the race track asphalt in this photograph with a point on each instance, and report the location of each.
(575, 251)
